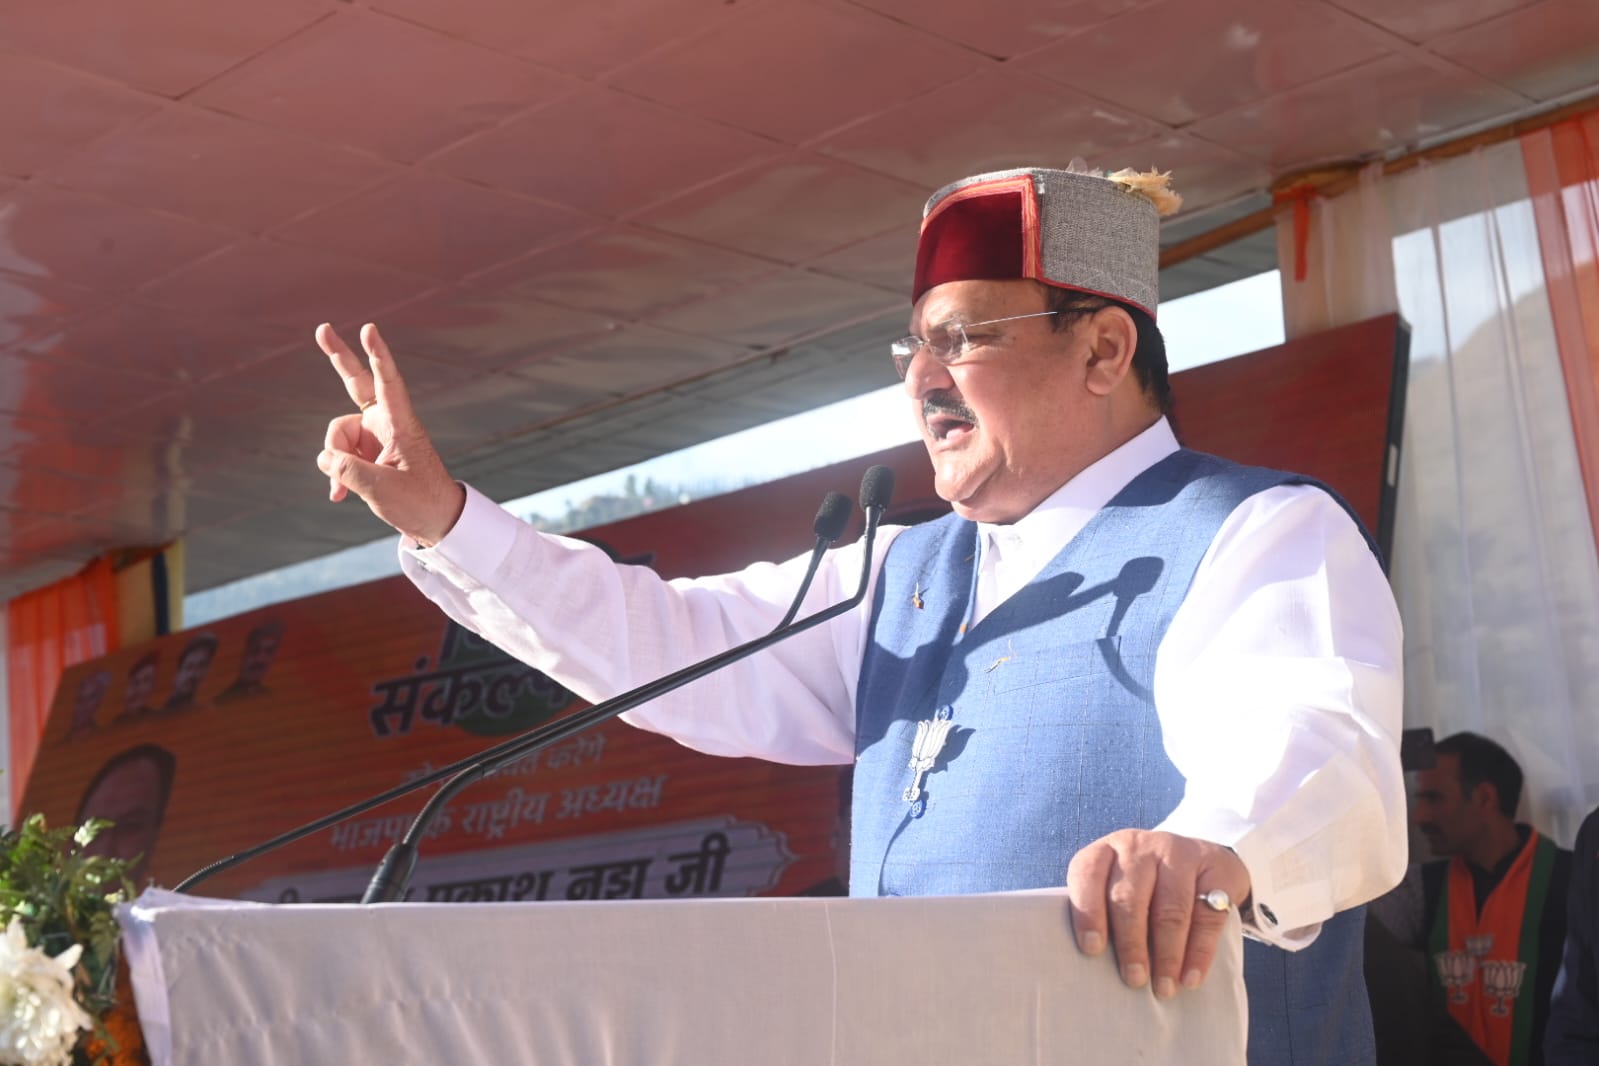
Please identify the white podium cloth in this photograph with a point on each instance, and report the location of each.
(989, 980)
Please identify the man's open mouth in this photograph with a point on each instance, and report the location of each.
(947, 418)
(946, 427)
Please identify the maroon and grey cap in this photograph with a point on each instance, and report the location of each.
(1076, 229)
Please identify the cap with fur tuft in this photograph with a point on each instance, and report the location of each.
(1076, 228)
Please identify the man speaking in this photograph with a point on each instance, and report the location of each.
(1168, 680)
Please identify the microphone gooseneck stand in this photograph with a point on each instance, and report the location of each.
(876, 488)
(831, 518)
(393, 874)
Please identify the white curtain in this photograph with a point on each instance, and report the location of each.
(1494, 562)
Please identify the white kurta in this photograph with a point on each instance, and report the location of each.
(1277, 685)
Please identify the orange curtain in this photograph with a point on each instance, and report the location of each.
(47, 631)
(1562, 164)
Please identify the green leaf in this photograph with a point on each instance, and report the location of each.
(65, 897)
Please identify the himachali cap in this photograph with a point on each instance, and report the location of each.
(1076, 229)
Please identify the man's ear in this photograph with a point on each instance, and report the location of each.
(1486, 797)
(1112, 339)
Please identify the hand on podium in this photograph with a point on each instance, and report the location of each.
(1150, 889)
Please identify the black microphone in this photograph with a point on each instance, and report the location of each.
(525, 744)
(831, 518)
(877, 488)
(393, 874)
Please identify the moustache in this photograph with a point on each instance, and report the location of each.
(943, 403)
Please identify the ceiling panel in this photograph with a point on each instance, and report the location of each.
(67, 110)
(668, 422)
(218, 169)
(883, 261)
(1424, 20)
(291, 428)
(450, 228)
(94, 243)
(162, 46)
(496, 406)
(265, 281)
(586, 39)
(1545, 52)
(165, 514)
(992, 121)
(627, 362)
(302, 372)
(1379, 107)
(794, 210)
(626, 271)
(1025, 25)
(318, 524)
(845, 363)
(484, 330)
(796, 70)
(233, 549)
(779, 308)
(1209, 64)
(177, 347)
(67, 444)
(35, 489)
(418, 90)
(52, 389)
(635, 152)
(30, 306)
(255, 481)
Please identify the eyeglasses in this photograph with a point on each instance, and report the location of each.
(948, 341)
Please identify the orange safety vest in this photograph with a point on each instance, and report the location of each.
(1486, 961)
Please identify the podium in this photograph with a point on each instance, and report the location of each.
(934, 981)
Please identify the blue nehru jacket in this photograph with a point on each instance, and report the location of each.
(1053, 740)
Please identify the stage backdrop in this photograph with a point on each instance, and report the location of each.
(203, 742)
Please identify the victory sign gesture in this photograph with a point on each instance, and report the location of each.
(381, 453)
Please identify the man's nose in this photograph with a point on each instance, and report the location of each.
(926, 373)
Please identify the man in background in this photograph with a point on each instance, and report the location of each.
(1491, 914)
(1573, 1034)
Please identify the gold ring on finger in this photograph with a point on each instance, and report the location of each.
(1217, 900)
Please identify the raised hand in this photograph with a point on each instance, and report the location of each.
(381, 453)
(1141, 888)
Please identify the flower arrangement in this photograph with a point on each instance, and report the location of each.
(59, 1001)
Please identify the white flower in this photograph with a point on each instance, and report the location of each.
(39, 1018)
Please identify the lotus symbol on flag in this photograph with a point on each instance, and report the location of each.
(1502, 978)
(1455, 970)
